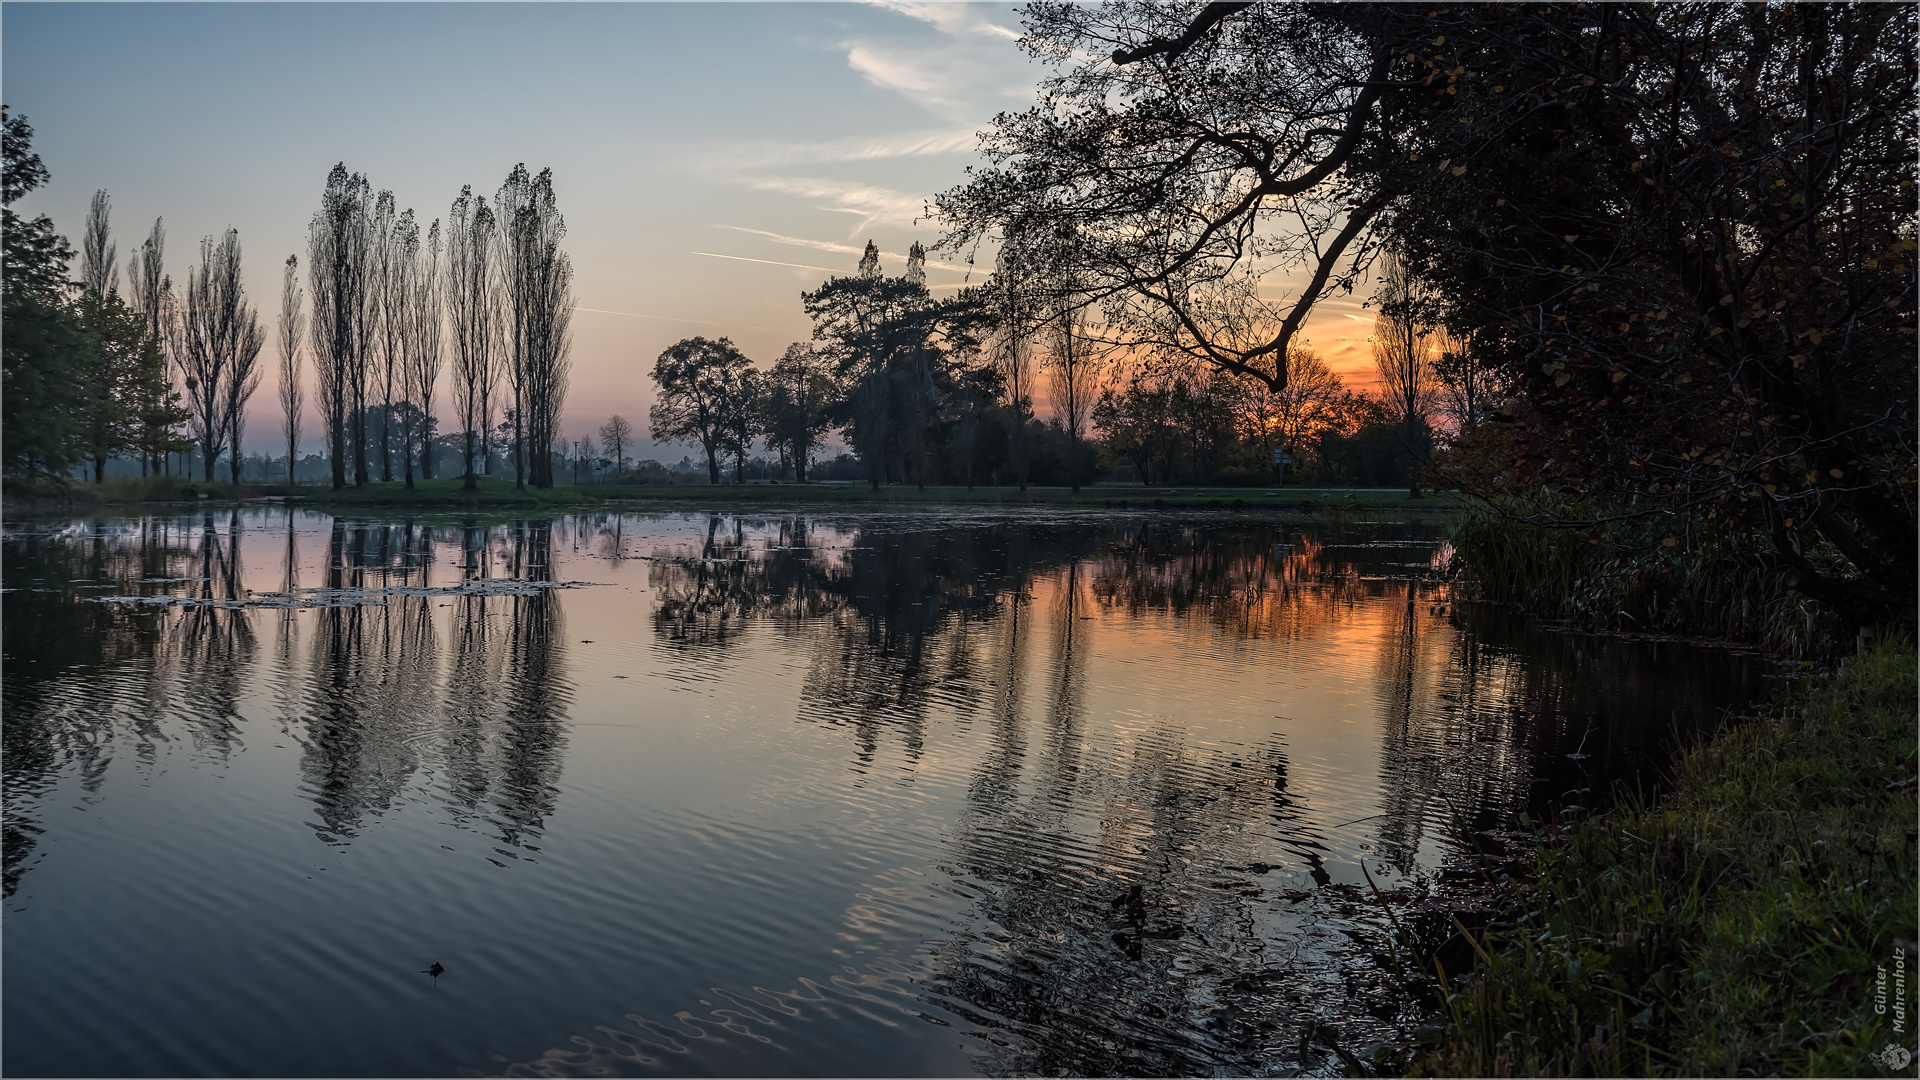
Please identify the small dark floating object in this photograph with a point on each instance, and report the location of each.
(1259, 867)
(438, 969)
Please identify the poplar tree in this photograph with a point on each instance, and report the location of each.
(473, 315)
(336, 275)
(288, 336)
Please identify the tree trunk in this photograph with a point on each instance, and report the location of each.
(359, 430)
(472, 481)
(519, 450)
(1413, 452)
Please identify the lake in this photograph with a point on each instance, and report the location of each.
(722, 794)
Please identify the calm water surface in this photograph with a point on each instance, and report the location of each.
(721, 795)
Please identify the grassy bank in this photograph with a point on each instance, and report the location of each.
(448, 492)
(1733, 928)
(44, 496)
(496, 494)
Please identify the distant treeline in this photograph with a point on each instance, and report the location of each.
(943, 391)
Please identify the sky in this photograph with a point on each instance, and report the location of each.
(712, 161)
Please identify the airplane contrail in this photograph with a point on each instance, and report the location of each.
(638, 315)
(769, 262)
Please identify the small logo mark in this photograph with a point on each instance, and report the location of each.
(1894, 1057)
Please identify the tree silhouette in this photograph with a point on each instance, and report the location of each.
(701, 386)
(219, 347)
(288, 333)
(537, 282)
(98, 273)
(799, 392)
(474, 315)
(614, 435)
(425, 318)
(1400, 352)
(336, 275)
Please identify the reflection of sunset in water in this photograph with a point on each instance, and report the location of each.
(687, 793)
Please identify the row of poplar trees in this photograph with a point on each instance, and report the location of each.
(489, 294)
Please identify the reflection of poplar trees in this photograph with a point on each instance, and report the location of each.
(532, 746)
(212, 648)
(373, 681)
(381, 711)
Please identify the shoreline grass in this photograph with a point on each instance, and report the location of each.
(1735, 927)
(442, 494)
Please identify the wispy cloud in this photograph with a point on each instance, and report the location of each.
(835, 247)
(952, 19)
(967, 73)
(795, 241)
(639, 315)
(910, 144)
(769, 262)
(955, 61)
(873, 205)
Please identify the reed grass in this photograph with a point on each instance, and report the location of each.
(1655, 574)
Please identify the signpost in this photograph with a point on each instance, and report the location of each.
(1282, 457)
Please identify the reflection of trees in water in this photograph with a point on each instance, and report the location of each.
(361, 687)
(1107, 935)
(1486, 715)
(373, 678)
(899, 638)
(1111, 924)
(74, 682)
(211, 648)
(1240, 580)
(532, 743)
(380, 712)
(706, 597)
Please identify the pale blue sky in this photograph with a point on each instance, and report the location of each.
(788, 133)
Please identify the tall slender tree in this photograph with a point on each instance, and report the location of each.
(219, 345)
(151, 294)
(473, 314)
(99, 274)
(537, 279)
(377, 360)
(288, 333)
(336, 273)
(1010, 301)
(1400, 351)
(426, 315)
